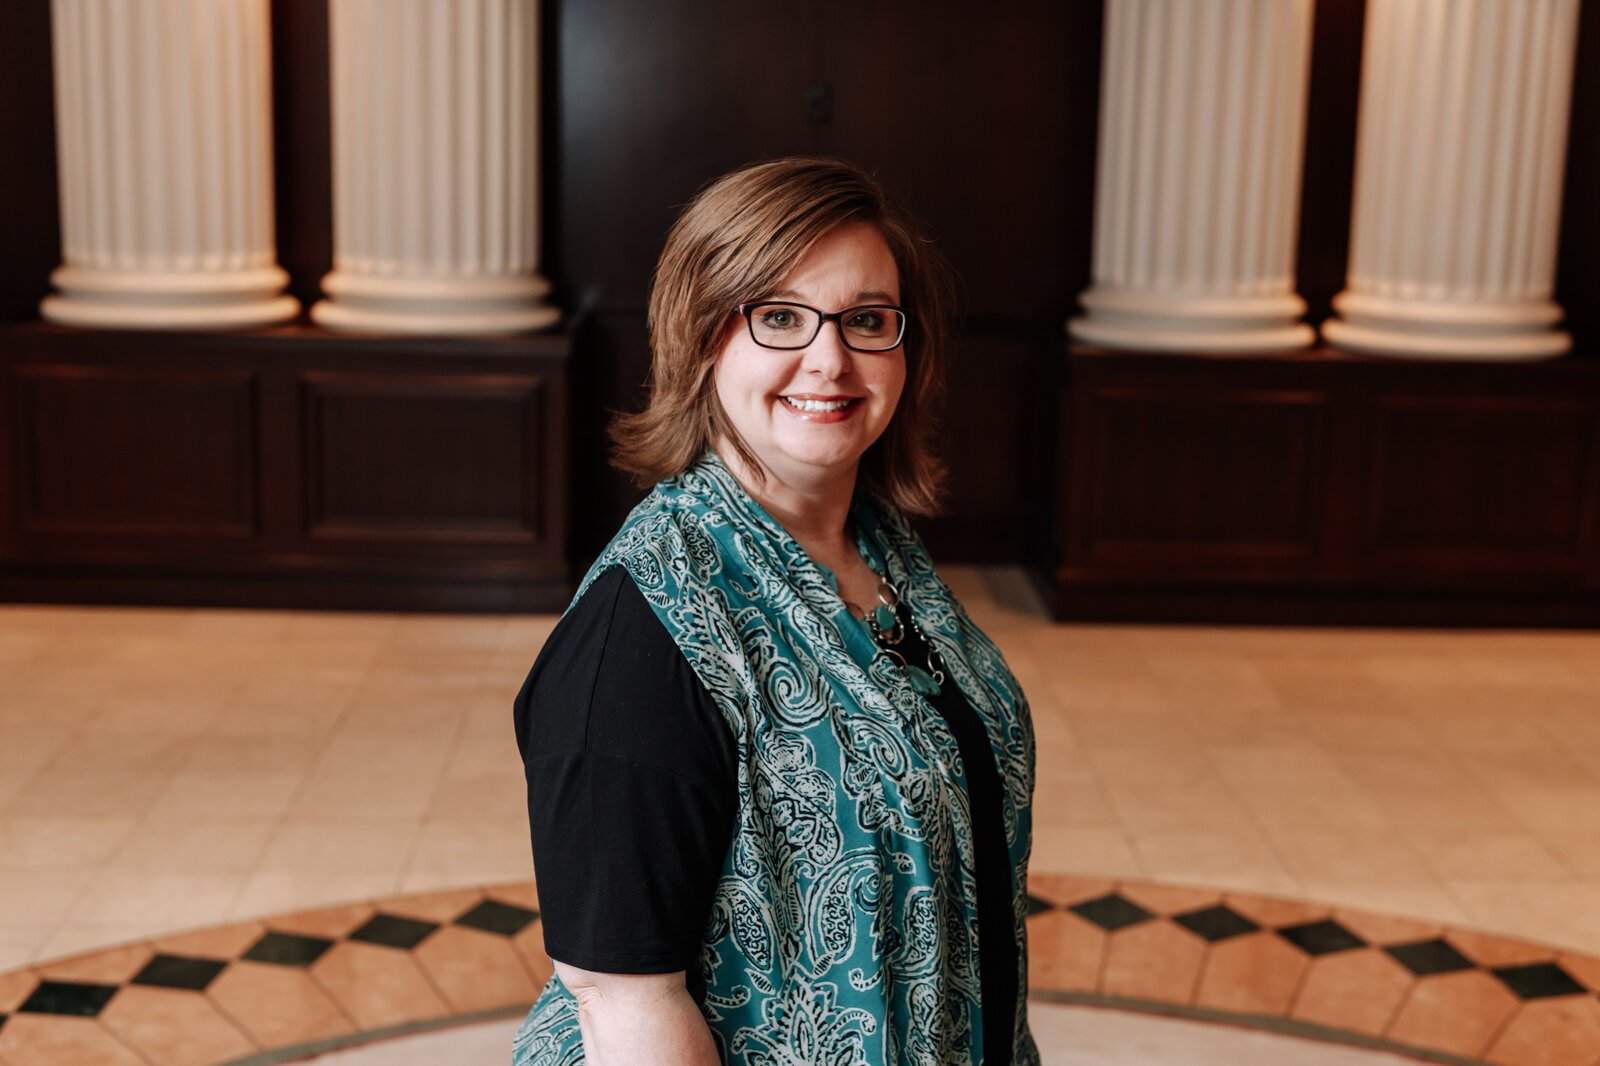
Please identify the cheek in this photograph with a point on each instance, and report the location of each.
(740, 381)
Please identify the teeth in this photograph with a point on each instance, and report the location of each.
(816, 405)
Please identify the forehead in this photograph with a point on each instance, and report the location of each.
(849, 263)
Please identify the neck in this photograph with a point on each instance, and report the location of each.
(813, 511)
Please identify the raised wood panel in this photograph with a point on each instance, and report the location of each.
(1182, 475)
(118, 453)
(1325, 488)
(1481, 481)
(439, 467)
(425, 457)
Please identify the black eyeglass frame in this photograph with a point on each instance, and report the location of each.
(745, 310)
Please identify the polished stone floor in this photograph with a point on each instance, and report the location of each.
(164, 770)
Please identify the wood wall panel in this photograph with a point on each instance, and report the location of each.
(302, 134)
(1326, 488)
(1481, 481)
(1228, 474)
(115, 452)
(285, 468)
(989, 444)
(984, 121)
(30, 234)
(425, 458)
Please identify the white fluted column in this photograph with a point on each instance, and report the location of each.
(436, 168)
(164, 147)
(1459, 157)
(1197, 192)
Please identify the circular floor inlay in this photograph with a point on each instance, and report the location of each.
(1067, 1036)
(1238, 968)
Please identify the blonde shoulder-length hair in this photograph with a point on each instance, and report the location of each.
(736, 241)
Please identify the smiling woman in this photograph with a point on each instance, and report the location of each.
(778, 782)
(784, 379)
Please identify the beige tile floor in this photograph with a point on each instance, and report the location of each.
(163, 769)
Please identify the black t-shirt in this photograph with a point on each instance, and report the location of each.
(633, 788)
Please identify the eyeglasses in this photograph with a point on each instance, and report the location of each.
(786, 326)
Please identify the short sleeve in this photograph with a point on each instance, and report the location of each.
(632, 787)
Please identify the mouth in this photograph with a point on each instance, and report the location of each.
(819, 405)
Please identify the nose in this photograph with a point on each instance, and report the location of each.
(826, 355)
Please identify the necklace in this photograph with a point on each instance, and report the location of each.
(885, 625)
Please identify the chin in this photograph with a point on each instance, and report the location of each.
(824, 460)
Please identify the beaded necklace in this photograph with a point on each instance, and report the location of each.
(887, 626)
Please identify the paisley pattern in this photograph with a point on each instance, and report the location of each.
(844, 926)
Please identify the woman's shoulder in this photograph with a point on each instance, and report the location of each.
(610, 679)
(671, 545)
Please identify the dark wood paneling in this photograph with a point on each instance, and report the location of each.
(1483, 482)
(1327, 488)
(1229, 474)
(30, 233)
(302, 144)
(989, 444)
(610, 377)
(983, 119)
(652, 102)
(1578, 261)
(1328, 179)
(385, 457)
(120, 453)
(285, 467)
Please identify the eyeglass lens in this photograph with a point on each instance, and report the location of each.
(872, 329)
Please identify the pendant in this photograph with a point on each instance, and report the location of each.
(921, 681)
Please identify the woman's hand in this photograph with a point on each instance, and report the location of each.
(629, 1019)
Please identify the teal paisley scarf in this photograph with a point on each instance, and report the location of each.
(844, 927)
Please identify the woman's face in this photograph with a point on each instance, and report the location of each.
(762, 390)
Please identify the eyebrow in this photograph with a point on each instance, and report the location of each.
(865, 295)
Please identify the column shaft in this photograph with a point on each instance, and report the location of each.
(164, 143)
(1459, 158)
(1197, 195)
(435, 141)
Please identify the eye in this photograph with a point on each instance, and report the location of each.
(867, 319)
(779, 318)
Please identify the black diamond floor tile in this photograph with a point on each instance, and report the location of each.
(393, 931)
(1037, 905)
(78, 999)
(1538, 981)
(1112, 912)
(1424, 957)
(1216, 923)
(288, 949)
(492, 916)
(180, 971)
(1321, 938)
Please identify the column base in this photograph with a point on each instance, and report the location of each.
(1418, 329)
(1145, 321)
(181, 300)
(359, 303)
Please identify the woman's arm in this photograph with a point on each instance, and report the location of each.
(629, 1018)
